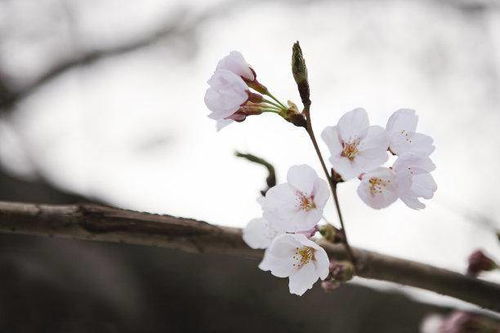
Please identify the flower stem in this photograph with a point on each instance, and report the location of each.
(274, 98)
(333, 185)
(272, 103)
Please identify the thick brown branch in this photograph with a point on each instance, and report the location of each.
(100, 223)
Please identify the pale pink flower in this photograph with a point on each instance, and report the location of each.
(298, 258)
(234, 62)
(354, 145)
(258, 234)
(414, 179)
(403, 138)
(378, 188)
(226, 94)
(297, 205)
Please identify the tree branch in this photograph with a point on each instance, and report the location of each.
(100, 223)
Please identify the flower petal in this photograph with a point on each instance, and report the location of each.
(303, 279)
(402, 120)
(353, 125)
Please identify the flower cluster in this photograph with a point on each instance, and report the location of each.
(359, 150)
(291, 211)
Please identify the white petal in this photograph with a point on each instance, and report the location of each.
(424, 185)
(258, 234)
(330, 136)
(223, 123)
(375, 139)
(412, 202)
(322, 263)
(278, 256)
(302, 178)
(353, 125)
(414, 162)
(303, 279)
(235, 63)
(346, 168)
(402, 120)
(321, 192)
(383, 195)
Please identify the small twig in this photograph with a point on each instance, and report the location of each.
(271, 177)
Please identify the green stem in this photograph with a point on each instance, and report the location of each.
(272, 103)
(274, 98)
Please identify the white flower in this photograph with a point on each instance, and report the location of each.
(414, 179)
(401, 129)
(298, 258)
(298, 204)
(378, 188)
(258, 234)
(227, 92)
(234, 62)
(355, 146)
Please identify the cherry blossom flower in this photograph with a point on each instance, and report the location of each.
(378, 188)
(401, 129)
(234, 62)
(258, 234)
(414, 179)
(298, 258)
(297, 205)
(355, 146)
(225, 97)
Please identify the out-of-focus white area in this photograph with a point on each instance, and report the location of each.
(133, 129)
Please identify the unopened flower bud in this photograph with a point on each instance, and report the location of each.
(330, 233)
(299, 70)
(341, 271)
(329, 285)
(293, 115)
(479, 262)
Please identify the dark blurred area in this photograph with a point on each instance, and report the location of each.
(57, 285)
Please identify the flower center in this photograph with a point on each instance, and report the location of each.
(303, 255)
(350, 150)
(306, 203)
(377, 185)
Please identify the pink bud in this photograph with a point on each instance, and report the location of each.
(479, 262)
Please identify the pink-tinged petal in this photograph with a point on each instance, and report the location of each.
(353, 125)
(225, 95)
(402, 120)
(331, 137)
(302, 178)
(424, 185)
(378, 188)
(303, 279)
(235, 63)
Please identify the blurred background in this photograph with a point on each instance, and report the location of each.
(102, 101)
